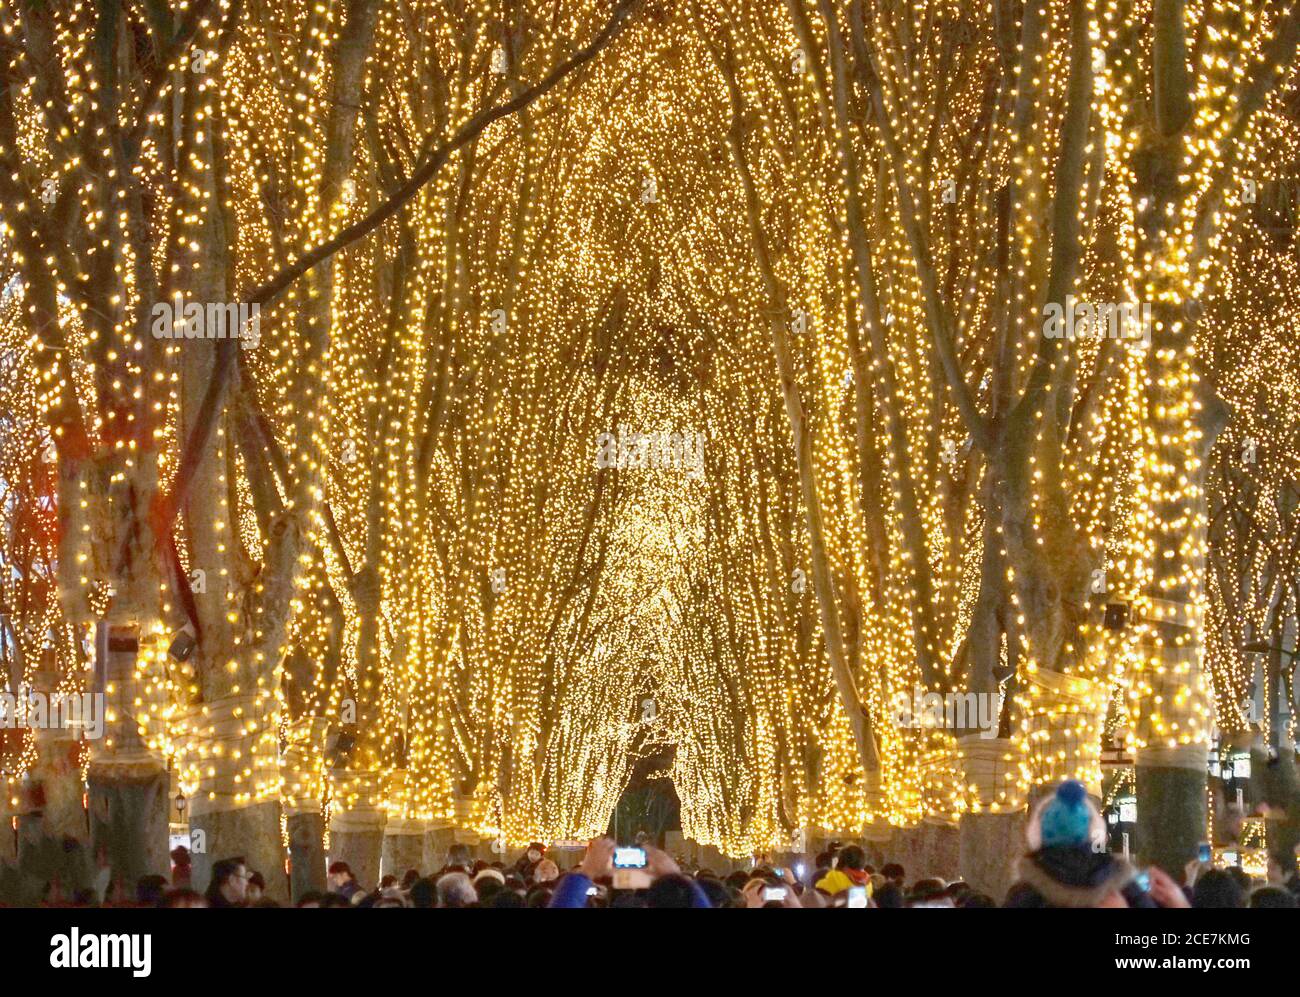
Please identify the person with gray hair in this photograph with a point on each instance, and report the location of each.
(458, 859)
(456, 890)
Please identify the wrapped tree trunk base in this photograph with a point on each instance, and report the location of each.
(306, 853)
(128, 817)
(44, 859)
(357, 826)
(56, 785)
(436, 847)
(301, 792)
(403, 847)
(251, 831)
(362, 849)
(991, 831)
(128, 785)
(989, 847)
(929, 849)
(1277, 784)
(1172, 813)
(230, 767)
(1171, 808)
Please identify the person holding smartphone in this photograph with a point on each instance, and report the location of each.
(1067, 864)
(667, 886)
(768, 892)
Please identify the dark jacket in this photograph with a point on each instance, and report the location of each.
(1068, 876)
(349, 890)
(573, 887)
(525, 868)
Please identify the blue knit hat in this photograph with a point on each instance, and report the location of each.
(1067, 817)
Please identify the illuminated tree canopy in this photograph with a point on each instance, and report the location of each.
(414, 413)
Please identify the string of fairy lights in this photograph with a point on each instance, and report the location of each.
(401, 537)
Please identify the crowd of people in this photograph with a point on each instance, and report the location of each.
(1062, 867)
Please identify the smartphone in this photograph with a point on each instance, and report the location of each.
(1143, 880)
(1203, 852)
(771, 893)
(857, 896)
(629, 858)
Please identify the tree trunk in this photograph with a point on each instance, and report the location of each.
(128, 783)
(357, 824)
(306, 853)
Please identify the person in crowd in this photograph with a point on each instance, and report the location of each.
(756, 891)
(149, 890)
(256, 889)
(539, 895)
(850, 870)
(546, 871)
(344, 883)
(929, 893)
(1218, 888)
(488, 883)
(458, 860)
(715, 890)
(891, 895)
(455, 889)
(895, 874)
(180, 856)
(182, 897)
(229, 884)
(668, 886)
(1273, 896)
(1282, 871)
(424, 893)
(673, 890)
(736, 881)
(1066, 865)
(1244, 882)
(529, 860)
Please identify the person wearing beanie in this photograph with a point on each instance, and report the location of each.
(527, 863)
(1067, 864)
